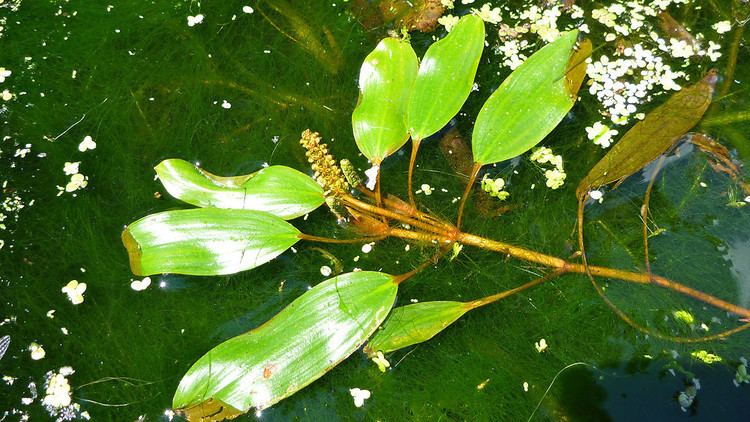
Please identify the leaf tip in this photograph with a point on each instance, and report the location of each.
(209, 410)
(134, 252)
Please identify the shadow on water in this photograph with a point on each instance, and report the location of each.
(647, 389)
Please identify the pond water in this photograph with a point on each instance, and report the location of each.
(231, 85)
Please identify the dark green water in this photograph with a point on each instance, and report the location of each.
(149, 87)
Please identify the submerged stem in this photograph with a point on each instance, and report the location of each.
(645, 210)
(661, 281)
(433, 260)
(591, 270)
(502, 295)
(312, 238)
(467, 192)
(414, 149)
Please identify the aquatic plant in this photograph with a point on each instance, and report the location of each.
(241, 222)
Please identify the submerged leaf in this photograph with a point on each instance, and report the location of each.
(415, 323)
(529, 103)
(279, 190)
(304, 341)
(420, 15)
(206, 241)
(385, 82)
(674, 29)
(294, 23)
(445, 78)
(576, 70)
(652, 136)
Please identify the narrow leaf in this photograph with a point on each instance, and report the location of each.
(446, 77)
(576, 70)
(412, 324)
(385, 82)
(279, 190)
(529, 103)
(652, 136)
(206, 241)
(304, 341)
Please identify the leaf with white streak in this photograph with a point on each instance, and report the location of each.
(206, 241)
(279, 190)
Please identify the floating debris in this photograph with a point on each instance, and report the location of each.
(87, 144)
(195, 20)
(4, 73)
(75, 291)
(140, 285)
(359, 396)
(37, 351)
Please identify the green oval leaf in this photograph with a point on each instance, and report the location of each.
(279, 190)
(206, 241)
(528, 104)
(653, 135)
(446, 77)
(415, 323)
(301, 343)
(385, 83)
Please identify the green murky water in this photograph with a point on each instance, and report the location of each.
(234, 92)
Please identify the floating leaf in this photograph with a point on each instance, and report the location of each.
(529, 103)
(415, 323)
(652, 136)
(304, 341)
(445, 78)
(279, 190)
(206, 241)
(385, 82)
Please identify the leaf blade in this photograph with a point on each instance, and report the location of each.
(279, 190)
(414, 323)
(445, 78)
(385, 82)
(652, 136)
(206, 241)
(297, 346)
(528, 105)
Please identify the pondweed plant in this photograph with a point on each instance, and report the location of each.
(242, 221)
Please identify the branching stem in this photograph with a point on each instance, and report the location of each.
(425, 228)
(569, 267)
(382, 212)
